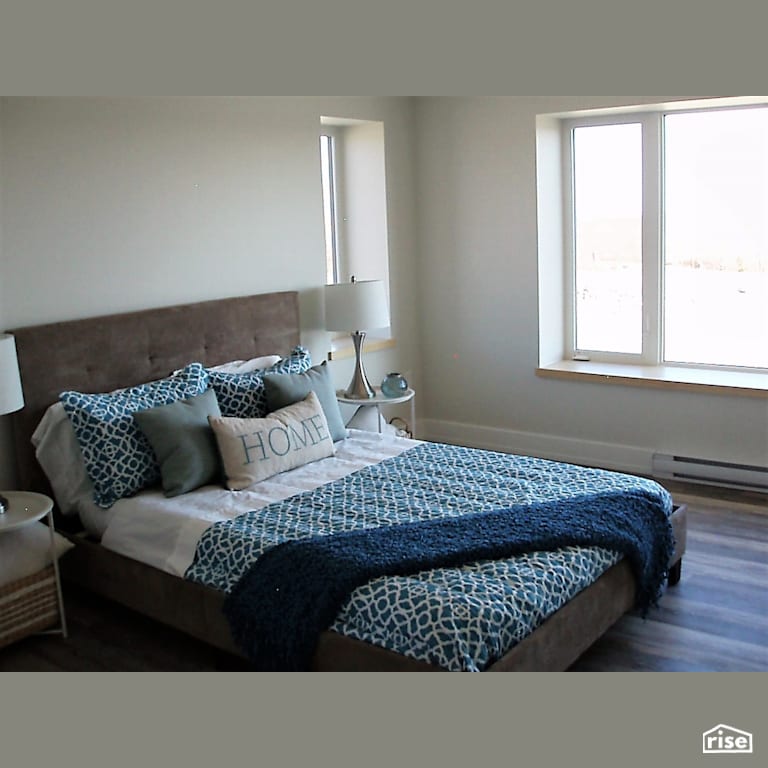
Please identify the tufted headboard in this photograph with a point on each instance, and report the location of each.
(100, 354)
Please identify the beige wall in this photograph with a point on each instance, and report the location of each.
(477, 232)
(123, 204)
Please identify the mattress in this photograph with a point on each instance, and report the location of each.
(458, 618)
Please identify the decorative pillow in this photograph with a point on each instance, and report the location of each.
(27, 550)
(183, 442)
(58, 453)
(242, 394)
(118, 457)
(255, 449)
(291, 387)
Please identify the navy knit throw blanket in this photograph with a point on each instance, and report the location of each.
(294, 591)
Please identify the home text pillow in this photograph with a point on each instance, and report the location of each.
(291, 387)
(117, 455)
(58, 453)
(183, 442)
(255, 449)
(242, 394)
(27, 550)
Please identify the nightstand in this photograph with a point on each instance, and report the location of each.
(380, 399)
(32, 604)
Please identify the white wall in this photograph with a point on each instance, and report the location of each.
(477, 229)
(112, 205)
(119, 204)
(365, 207)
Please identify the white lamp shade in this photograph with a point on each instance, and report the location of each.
(356, 306)
(11, 397)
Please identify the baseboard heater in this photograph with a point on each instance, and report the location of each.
(742, 476)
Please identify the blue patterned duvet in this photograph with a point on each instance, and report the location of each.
(458, 618)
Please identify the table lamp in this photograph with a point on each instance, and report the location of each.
(355, 307)
(11, 398)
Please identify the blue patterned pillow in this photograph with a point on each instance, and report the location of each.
(117, 455)
(242, 395)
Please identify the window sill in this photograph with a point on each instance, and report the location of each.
(702, 380)
(342, 346)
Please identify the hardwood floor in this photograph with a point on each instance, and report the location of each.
(715, 619)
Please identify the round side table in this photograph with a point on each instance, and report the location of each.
(27, 508)
(380, 399)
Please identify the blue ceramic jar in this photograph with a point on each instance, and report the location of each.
(394, 385)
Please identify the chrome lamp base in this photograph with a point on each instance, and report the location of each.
(359, 388)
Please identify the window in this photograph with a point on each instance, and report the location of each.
(353, 179)
(607, 224)
(330, 206)
(666, 226)
(354, 197)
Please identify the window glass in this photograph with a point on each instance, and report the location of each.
(716, 237)
(329, 209)
(607, 220)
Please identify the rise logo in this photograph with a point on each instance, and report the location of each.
(724, 739)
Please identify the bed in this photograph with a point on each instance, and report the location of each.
(103, 354)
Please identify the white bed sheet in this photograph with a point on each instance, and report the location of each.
(95, 519)
(163, 532)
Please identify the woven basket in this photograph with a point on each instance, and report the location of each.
(28, 605)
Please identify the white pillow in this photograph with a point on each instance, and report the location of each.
(58, 453)
(27, 550)
(246, 366)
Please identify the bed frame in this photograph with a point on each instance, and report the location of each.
(100, 354)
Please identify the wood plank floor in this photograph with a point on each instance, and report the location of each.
(715, 619)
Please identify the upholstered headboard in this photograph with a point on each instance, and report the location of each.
(100, 354)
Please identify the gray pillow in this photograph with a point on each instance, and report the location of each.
(183, 442)
(288, 388)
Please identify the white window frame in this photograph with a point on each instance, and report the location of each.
(652, 353)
